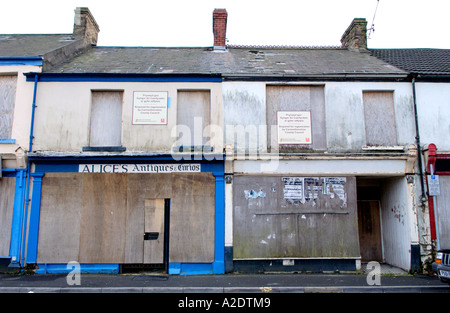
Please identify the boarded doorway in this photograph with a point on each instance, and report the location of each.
(369, 219)
(156, 237)
(156, 231)
(369, 227)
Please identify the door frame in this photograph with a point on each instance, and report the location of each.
(166, 234)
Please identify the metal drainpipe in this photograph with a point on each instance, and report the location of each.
(27, 191)
(36, 78)
(419, 150)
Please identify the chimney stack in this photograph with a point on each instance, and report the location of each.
(85, 27)
(220, 28)
(355, 37)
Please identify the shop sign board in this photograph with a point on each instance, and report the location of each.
(140, 168)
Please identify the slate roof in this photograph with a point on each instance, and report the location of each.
(27, 45)
(420, 61)
(235, 61)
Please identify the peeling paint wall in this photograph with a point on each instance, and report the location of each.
(245, 106)
(345, 113)
(245, 116)
(433, 103)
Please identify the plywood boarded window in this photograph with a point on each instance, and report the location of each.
(7, 187)
(296, 98)
(106, 119)
(193, 116)
(379, 118)
(60, 217)
(192, 217)
(7, 99)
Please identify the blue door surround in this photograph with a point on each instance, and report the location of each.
(70, 164)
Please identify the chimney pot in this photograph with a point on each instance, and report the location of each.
(220, 28)
(355, 37)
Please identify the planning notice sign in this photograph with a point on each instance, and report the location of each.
(294, 127)
(150, 108)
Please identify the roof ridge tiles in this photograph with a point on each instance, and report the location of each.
(286, 47)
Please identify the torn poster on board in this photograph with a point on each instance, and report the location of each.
(335, 185)
(252, 194)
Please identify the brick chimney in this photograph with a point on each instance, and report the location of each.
(355, 37)
(220, 28)
(85, 26)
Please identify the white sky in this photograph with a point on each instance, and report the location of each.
(398, 23)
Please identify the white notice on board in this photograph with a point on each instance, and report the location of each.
(150, 108)
(294, 127)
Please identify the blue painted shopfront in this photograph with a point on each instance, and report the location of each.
(50, 164)
(15, 257)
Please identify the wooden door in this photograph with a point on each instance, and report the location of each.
(369, 230)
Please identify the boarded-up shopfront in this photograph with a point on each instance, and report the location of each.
(295, 221)
(111, 216)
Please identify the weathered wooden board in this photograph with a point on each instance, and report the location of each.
(277, 217)
(102, 218)
(369, 227)
(154, 223)
(297, 98)
(60, 218)
(379, 118)
(7, 100)
(193, 111)
(192, 218)
(104, 213)
(106, 118)
(139, 188)
(7, 191)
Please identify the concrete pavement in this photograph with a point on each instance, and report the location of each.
(229, 283)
